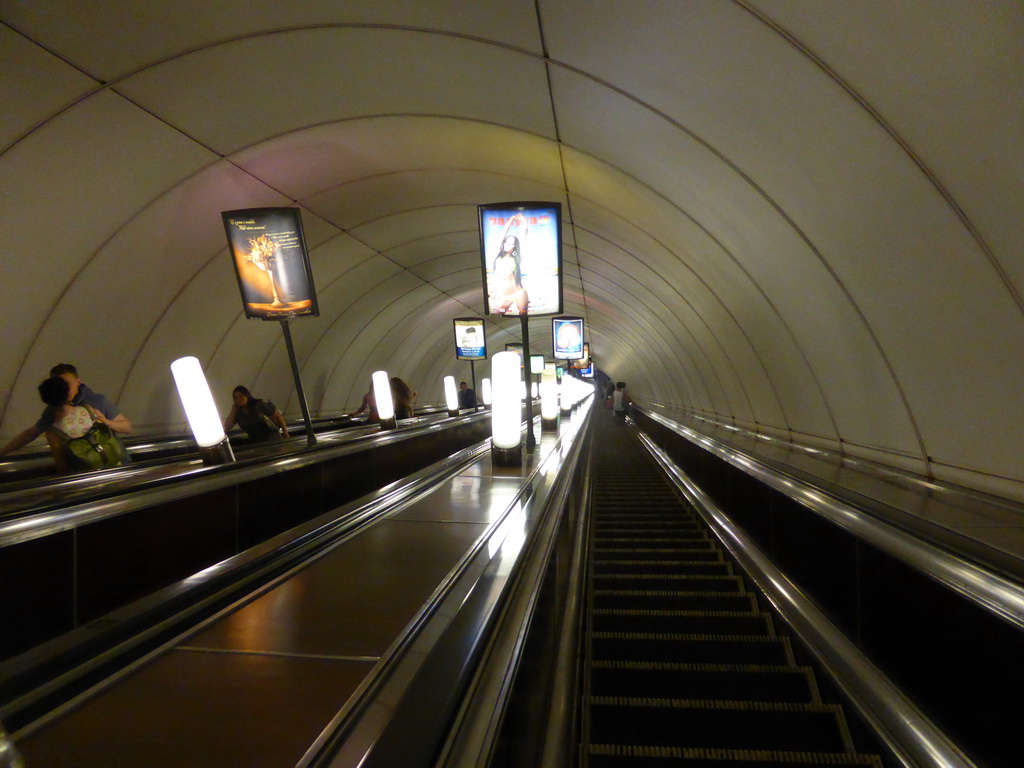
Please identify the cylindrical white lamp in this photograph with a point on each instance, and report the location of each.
(201, 411)
(486, 391)
(451, 396)
(506, 412)
(385, 403)
(565, 393)
(549, 399)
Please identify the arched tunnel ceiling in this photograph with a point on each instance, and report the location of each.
(798, 218)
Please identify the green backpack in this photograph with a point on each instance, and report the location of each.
(99, 448)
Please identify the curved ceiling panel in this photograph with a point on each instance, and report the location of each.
(803, 223)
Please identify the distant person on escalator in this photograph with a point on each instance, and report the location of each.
(467, 397)
(404, 397)
(80, 395)
(369, 404)
(80, 437)
(621, 400)
(260, 419)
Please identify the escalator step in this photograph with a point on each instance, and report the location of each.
(647, 507)
(703, 681)
(683, 622)
(670, 582)
(668, 600)
(647, 522)
(643, 545)
(643, 528)
(614, 567)
(604, 552)
(689, 649)
(617, 756)
(714, 724)
(639, 501)
(642, 542)
(642, 507)
(659, 534)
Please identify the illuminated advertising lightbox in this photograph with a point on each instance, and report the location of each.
(268, 249)
(521, 257)
(587, 373)
(517, 347)
(567, 334)
(536, 364)
(470, 342)
(583, 362)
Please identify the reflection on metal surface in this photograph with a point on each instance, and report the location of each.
(509, 536)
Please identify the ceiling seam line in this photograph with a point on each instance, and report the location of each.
(705, 354)
(736, 322)
(561, 157)
(876, 115)
(685, 351)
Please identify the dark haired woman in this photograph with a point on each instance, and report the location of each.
(70, 422)
(403, 396)
(507, 274)
(260, 419)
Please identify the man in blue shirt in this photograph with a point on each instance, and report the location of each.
(80, 395)
(467, 397)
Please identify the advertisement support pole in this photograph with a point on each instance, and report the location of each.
(310, 436)
(531, 441)
(472, 374)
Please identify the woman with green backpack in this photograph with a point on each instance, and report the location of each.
(80, 437)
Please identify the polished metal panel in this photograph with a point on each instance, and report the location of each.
(203, 710)
(353, 602)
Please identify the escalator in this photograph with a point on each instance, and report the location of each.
(682, 666)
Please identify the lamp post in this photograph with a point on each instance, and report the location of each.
(506, 411)
(203, 419)
(385, 403)
(549, 399)
(451, 396)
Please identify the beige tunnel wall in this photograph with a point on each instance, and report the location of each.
(801, 219)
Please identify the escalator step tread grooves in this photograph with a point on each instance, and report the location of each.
(726, 566)
(675, 666)
(677, 637)
(672, 593)
(646, 525)
(678, 601)
(714, 704)
(673, 577)
(622, 535)
(662, 550)
(649, 563)
(725, 757)
(665, 612)
(617, 527)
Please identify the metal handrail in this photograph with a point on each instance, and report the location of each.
(558, 737)
(985, 587)
(908, 734)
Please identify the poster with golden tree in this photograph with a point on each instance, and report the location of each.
(268, 250)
